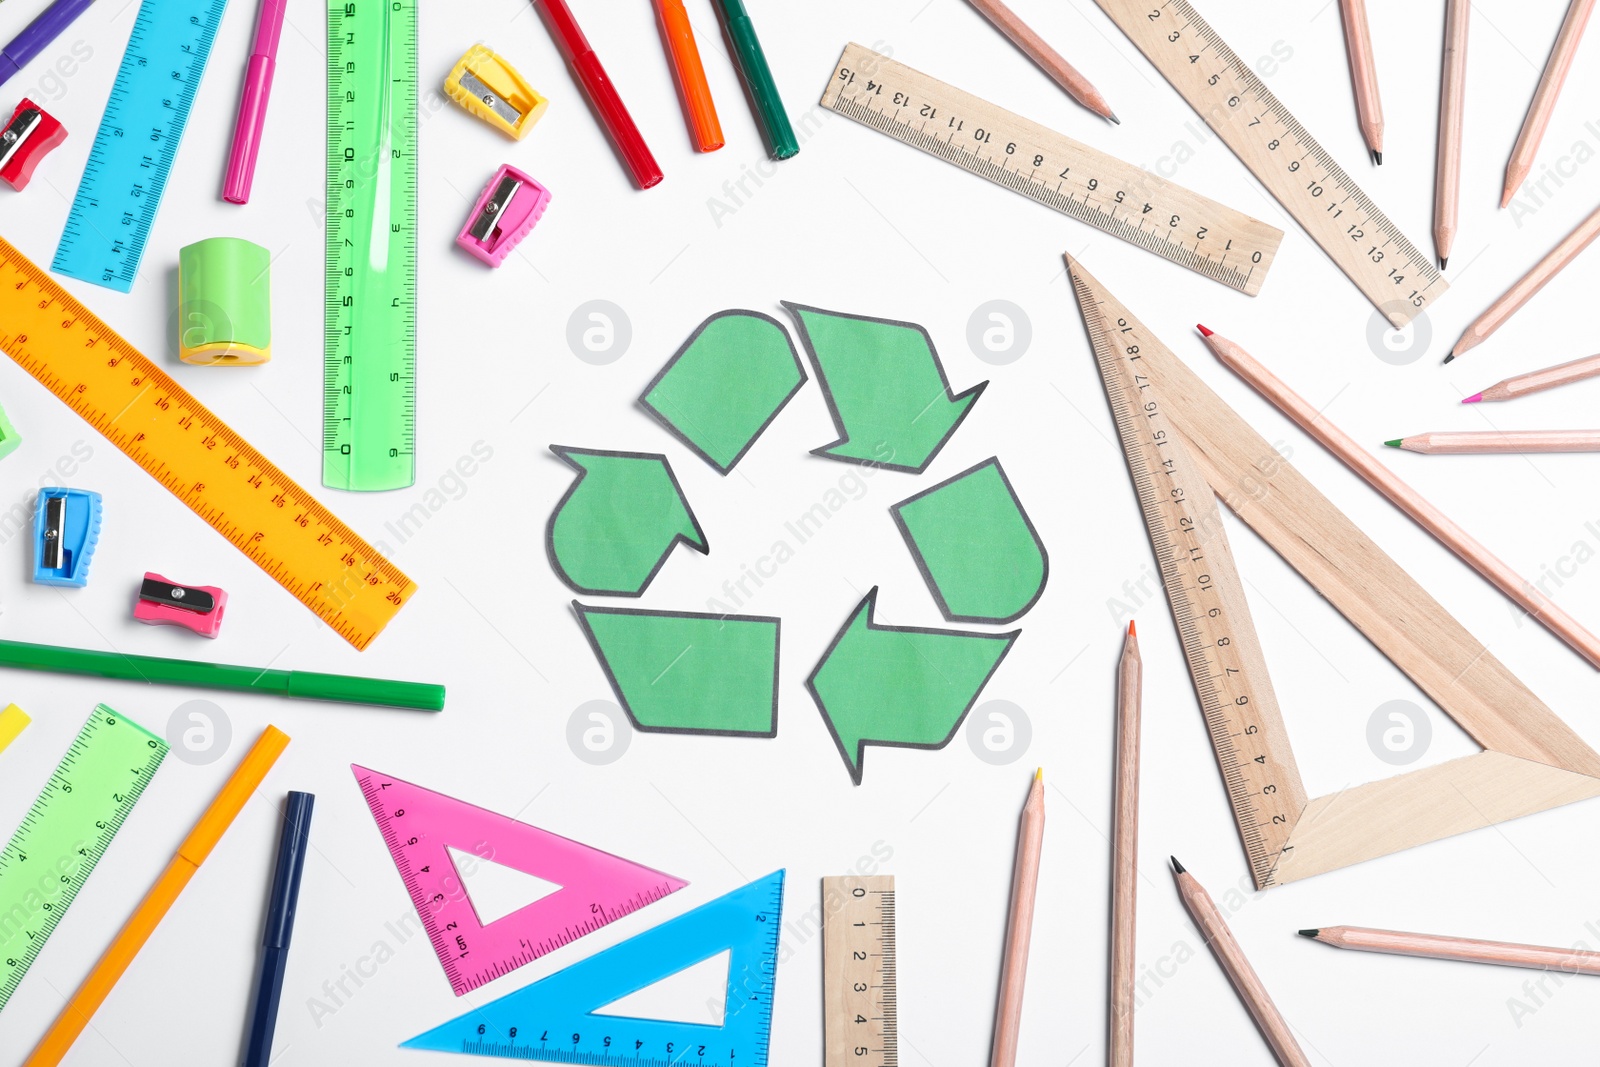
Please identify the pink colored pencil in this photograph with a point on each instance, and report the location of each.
(1539, 380)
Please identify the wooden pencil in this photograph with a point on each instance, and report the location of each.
(1125, 853)
(1498, 442)
(1511, 301)
(1538, 381)
(1407, 499)
(1364, 74)
(1049, 60)
(1452, 107)
(1543, 105)
(1234, 964)
(1019, 931)
(1469, 950)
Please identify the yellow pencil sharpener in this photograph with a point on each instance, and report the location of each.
(490, 88)
(224, 311)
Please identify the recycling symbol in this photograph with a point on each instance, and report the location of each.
(625, 515)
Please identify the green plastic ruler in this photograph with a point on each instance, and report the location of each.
(67, 830)
(370, 325)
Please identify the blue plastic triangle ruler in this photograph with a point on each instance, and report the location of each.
(555, 1020)
(138, 139)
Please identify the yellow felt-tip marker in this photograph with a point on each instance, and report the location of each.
(244, 781)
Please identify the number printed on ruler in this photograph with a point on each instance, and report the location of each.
(1052, 169)
(1388, 269)
(860, 992)
(1203, 585)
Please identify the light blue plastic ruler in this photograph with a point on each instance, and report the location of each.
(137, 142)
(565, 1018)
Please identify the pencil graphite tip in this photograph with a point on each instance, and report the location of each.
(1177, 868)
(1444, 261)
(1377, 157)
(1203, 331)
(1112, 116)
(1473, 399)
(1395, 443)
(1450, 358)
(1309, 933)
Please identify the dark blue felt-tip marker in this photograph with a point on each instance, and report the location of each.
(280, 925)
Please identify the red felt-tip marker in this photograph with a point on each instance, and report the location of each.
(601, 93)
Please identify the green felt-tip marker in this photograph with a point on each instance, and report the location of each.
(752, 64)
(301, 685)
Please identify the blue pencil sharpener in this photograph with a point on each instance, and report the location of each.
(66, 527)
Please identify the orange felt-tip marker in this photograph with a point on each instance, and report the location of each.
(693, 92)
(119, 955)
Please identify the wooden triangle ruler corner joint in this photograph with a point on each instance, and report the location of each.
(1185, 448)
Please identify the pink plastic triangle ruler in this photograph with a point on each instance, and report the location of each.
(419, 826)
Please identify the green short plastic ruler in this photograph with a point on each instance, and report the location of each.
(370, 324)
(67, 830)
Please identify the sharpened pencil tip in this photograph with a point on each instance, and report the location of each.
(1444, 261)
(1114, 118)
(1038, 775)
(1176, 866)
(1395, 443)
(1377, 157)
(1131, 631)
(1309, 933)
(1473, 399)
(1203, 331)
(1450, 357)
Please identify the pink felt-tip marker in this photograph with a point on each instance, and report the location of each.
(253, 103)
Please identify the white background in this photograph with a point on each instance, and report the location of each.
(861, 224)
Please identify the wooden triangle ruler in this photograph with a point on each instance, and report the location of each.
(1185, 448)
(420, 827)
(566, 1018)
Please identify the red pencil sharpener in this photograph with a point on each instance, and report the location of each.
(27, 138)
(163, 602)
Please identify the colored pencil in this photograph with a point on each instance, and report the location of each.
(1499, 442)
(1125, 853)
(1363, 75)
(1256, 1000)
(1538, 381)
(1512, 299)
(1543, 105)
(119, 955)
(698, 107)
(1048, 59)
(1014, 967)
(1407, 499)
(1466, 949)
(1452, 108)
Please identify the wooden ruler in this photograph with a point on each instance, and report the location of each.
(1185, 448)
(860, 997)
(1388, 269)
(1123, 200)
(196, 456)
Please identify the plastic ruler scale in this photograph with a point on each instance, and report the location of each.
(137, 142)
(1388, 269)
(67, 830)
(566, 1017)
(860, 992)
(1054, 170)
(369, 377)
(195, 455)
(419, 826)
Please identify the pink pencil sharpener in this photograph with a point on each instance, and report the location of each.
(510, 205)
(194, 607)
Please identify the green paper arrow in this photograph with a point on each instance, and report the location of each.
(678, 672)
(886, 390)
(618, 522)
(975, 546)
(902, 686)
(727, 383)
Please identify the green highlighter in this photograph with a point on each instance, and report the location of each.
(303, 685)
(752, 64)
